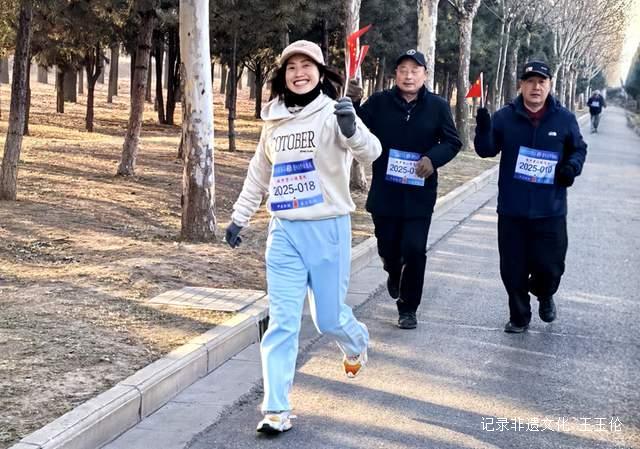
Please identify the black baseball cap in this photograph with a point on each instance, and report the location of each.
(412, 54)
(538, 68)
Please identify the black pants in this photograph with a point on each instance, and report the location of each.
(532, 254)
(402, 246)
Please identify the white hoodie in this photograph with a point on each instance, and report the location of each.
(303, 162)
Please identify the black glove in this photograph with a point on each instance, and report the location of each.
(232, 235)
(483, 120)
(346, 116)
(565, 175)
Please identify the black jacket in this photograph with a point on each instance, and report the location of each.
(558, 133)
(596, 103)
(424, 126)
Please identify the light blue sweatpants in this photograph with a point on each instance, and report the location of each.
(301, 256)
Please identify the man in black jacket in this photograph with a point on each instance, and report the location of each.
(542, 153)
(596, 103)
(418, 136)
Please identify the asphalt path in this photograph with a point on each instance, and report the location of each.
(459, 381)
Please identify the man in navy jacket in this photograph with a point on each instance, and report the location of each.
(418, 136)
(542, 153)
(596, 103)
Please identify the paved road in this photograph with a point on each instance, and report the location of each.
(459, 381)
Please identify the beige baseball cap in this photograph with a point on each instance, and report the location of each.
(303, 47)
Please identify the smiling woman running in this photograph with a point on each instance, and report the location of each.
(302, 162)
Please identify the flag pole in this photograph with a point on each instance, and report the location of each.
(353, 46)
(346, 70)
(481, 91)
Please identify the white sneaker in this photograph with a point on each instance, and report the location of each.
(275, 423)
(354, 364)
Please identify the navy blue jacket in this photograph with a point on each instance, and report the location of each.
(423, 126)
(596, 100)
(557, 132)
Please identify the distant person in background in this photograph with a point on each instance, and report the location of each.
(303, 163)
(596, 103)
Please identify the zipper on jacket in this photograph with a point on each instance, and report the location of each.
(410, 110)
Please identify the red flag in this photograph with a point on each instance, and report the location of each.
(352, 60)
(475, 91)
(352, 39)
(355, 56)
(363, 53)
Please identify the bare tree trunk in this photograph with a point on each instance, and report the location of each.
(563, 85)
(59, 90)
(223, 79)
(511, 88)
(147, 92)
(358, 178)
(173, 85)
(445, 85)
(95, 66)
(580, 101)
(101, 78)
(451, 84)
(227, 95)
(498, 85)
(113, 73)
(80, 82)
(555, 85)
(260, 79)
(572, 90)
(159, 54)
(232, 86)
(352, 24)
(572, 95)
(43, 74)
(71, 86)
(165, 70)
(251, 80)
(444, 88)
(495, 96)
(465, 26)
(132, 71)
(4, 71)
(183, 138)
(27, 110)
(130, 148)
(380, 77)
(13, 142)
(259, 83)
(324, 42)
(198, 191)
(427, 26)
(503, 65)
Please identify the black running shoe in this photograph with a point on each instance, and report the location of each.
(511, 328)
(547, 309)
(407, 320)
